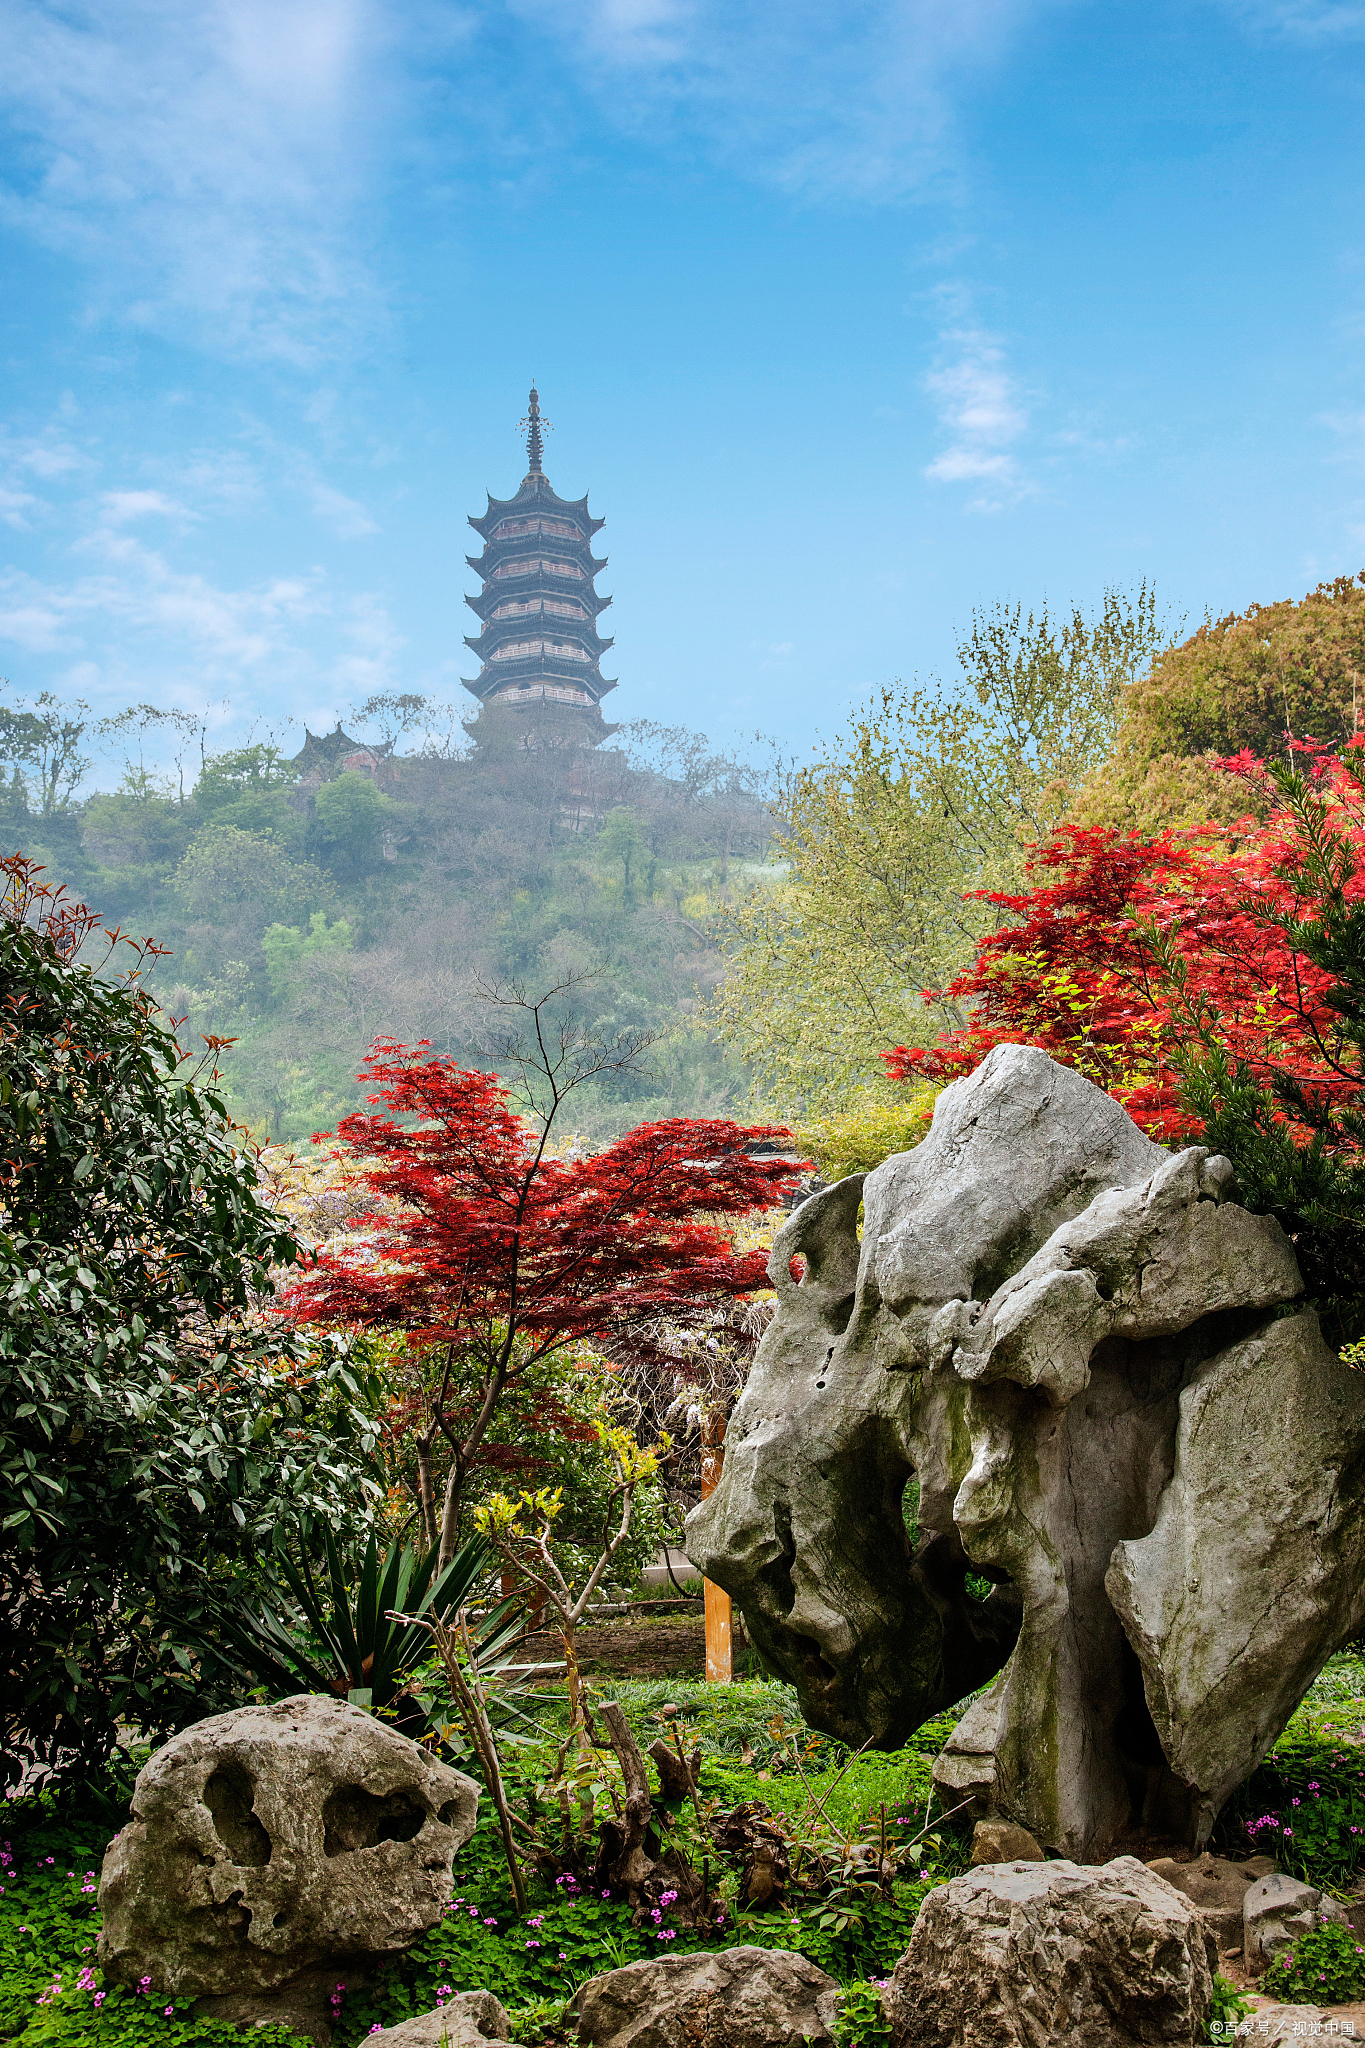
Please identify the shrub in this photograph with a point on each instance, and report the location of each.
(1326, 1966)
(153, 1426)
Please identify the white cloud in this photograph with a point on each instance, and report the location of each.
(853, 100)
(136, 592)
(119, 507)
(204, 155)
(347, 519)
(1311, 21)
(14, 504)
(979, 406)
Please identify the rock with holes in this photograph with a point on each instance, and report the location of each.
(1018, 1954)
(728, 1998)
(1035, 1425)
(276, 1852)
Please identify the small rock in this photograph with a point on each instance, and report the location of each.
(1000, 1841)
(1012, 1955)
(728, 1998)
(1276, 1911)
(1218, 1889)
(1285, 2023)
(472, 2019)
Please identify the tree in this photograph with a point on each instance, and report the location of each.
(185, 732)
(890, 838)
(491, 1254)
(154, 1424)
(622, 839)
(229, 875)
(1220, 996)
(1247, 681)
(46, 741)
(352, 816)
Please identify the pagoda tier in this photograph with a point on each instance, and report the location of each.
(538, 607)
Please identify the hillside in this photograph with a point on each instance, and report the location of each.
(310, 905)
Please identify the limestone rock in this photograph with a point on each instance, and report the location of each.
(1069, 1341)
(1282, 1519)
(1017, 1955)
(277, 1847)
(1276, 1911)
(728, 1998)
(471, 2019)
(1217, 1888)
(1000, 1841)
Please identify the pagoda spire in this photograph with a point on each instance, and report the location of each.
(538, 609)
(535, 438)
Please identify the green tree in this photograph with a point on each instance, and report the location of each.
(622, 838)
(44, 746)
(229, 876)
(154, 1425)
(288, 948)
(138, 836)
(885, 840)
(1240, 682)
(352, 817)
(248, 788)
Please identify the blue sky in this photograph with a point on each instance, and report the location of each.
(851, 318)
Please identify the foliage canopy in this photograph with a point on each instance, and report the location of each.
(152, 1429)
(927, 800)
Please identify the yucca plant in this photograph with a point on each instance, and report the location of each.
(356, 1632)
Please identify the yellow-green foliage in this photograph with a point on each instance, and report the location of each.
(855, 1139)
(1238, 682)
(889, 837)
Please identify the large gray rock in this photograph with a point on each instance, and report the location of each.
(1264, 1505)
(1052, 1955)
(1277, 1910)
(276, 1851)
(471, 2019)
(1047, 1323)
(727, 1998)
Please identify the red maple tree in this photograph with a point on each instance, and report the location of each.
(1136, 959)
(490, 1254)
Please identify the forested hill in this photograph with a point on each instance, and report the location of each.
(307, 911)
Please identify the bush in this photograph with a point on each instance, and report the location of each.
(154, 1426)
(857, 1139)
(1326, 1966)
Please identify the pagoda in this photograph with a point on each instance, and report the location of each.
(540, 647)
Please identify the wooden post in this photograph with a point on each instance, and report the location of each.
(720, 1654)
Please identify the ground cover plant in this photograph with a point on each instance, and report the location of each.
(49, 1917)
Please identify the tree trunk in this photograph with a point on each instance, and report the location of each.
(450, 1518)
(426, 1490)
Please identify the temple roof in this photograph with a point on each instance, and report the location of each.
(324, 747)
